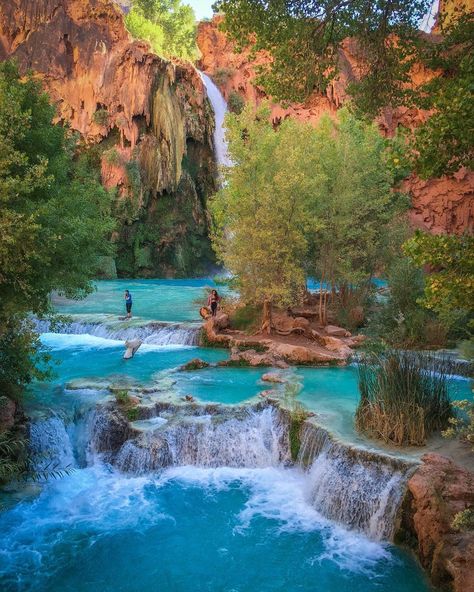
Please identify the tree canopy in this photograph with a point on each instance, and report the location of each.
(168, 25)
(305, 39)
(54, 218)
(303, 200)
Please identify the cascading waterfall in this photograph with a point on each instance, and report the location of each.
(219, 106)
(255, 440)
(156, 333)
(356, 487)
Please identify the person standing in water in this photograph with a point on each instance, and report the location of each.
(213, 301)
(128, 304)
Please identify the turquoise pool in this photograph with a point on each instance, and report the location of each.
(189, 530)
(164, 300)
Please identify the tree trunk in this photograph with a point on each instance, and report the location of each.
(267, 317)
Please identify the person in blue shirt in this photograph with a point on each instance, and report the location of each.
(128, 304)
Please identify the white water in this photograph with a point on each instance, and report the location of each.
(219, 106)
(149, 333)
(358, 489)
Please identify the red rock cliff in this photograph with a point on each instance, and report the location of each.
(148, 115)
(439, 205)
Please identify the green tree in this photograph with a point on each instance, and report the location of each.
(305, 40)
(352, 207)
(167, 25)
(54, 221)
(260, 214)
(449, 285)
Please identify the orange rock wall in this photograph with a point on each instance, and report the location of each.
(438, 205)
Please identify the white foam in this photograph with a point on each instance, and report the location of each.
(62, 341)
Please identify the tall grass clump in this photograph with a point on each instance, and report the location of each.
(403, 397)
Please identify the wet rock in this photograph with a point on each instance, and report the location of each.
(194, 364)
(132, 346)
(273, 377)
(110, 430)
(438, 490)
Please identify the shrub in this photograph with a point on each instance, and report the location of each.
(222, 75)
(122, 397)
(403, 397)
(101, 116)
(297, 415)
(464, 520)
(236, 102)
(247, 318)
(462, 425)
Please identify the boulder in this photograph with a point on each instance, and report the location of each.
(337, 345)
(334, 331)
(299, 354)
(273, 377)
(438, 490)
(221, 321)
(301, 322)
(204, 312)
(132, 346)
(194, 364)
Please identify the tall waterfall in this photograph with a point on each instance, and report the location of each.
(219, 106)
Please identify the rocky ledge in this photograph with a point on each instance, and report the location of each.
(438, 492)
(296, 340)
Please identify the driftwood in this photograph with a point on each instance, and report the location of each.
(296, 330)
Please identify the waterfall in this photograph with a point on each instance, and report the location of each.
(361, 489)
(157, 333)
(356, 487)
(51, 445)
(219, 106)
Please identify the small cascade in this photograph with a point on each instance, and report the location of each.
(51, 445)
(252, 437)
(358, 488)
(156, 333)
(219, 106)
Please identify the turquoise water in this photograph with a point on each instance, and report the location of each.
(183, 529)
(164, 300)
(189, 529)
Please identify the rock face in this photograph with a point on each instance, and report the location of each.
(148, 118)
(438, 205)
(437, 491)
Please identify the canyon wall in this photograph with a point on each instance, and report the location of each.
(145, 122)
(438, 205)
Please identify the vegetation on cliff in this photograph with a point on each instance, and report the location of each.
(304, 40)
(167, 25)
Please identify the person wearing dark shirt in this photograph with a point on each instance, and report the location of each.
(128, 304)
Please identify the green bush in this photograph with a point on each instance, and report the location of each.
(403, 397)
(236, 103)
(101, 116)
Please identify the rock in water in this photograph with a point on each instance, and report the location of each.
(132, 345)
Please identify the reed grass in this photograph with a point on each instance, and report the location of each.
(403, 397)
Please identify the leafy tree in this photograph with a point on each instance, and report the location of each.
(168, 25)
(54, 221)
(260, 214)
(352, 206)
(303, 198)
(449, 285)
(305, 40)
